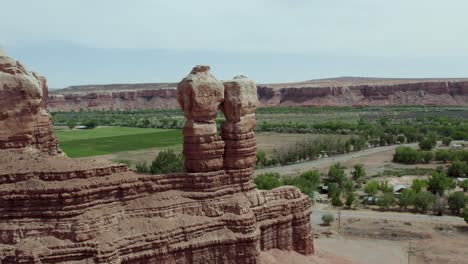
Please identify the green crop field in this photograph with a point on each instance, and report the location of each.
(107, 140)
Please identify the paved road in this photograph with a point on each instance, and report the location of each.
(393, 216)
(298, 168)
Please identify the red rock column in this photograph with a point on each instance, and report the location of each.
(200, 95)
(239, 107)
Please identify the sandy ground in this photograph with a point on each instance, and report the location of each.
(370, 237)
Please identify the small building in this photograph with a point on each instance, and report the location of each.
(397, 189)
(457, 146)
(459, 180)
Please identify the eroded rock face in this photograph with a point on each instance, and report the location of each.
(24, 119)
(54, 209)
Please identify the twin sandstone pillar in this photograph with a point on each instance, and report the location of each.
(215, 161)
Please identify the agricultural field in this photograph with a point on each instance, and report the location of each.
(107, 140)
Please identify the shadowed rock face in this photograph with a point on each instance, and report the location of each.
(54, 209)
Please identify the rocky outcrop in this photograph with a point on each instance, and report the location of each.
(54, 209)
(312, 93)
(430, 92)
(24, 121)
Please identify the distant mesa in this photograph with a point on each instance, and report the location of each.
(54, 209)
(343, 91)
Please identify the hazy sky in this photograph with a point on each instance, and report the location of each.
(112, 41)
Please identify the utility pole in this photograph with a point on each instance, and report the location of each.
(409, 251)
(339, 218)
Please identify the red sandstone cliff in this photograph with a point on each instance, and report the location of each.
(54, 209)
(327, 92)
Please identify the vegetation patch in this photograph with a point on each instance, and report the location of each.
(102, 141)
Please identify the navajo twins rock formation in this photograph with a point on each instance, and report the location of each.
(327, 92)
(54, 209)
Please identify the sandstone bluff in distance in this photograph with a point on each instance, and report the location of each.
(54, 209)
(345, 91)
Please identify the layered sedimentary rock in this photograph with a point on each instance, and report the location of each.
(24, 120)
(330, 92)
(54, 209)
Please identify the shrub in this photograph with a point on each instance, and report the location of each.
(463, 185)
(372, 187)
(406, 155)
(268, 181)
(385, 187)
(458, 169)
(261, 159)
(447, 140)
(443, 155)
(307, 182)
(336, 201)
(426, 156)
(406, 198)
(142, 167)
(71, 124)
(350, 198)
(90, 124)
(428, 143)
(359, 172)
(386, 201)
(465, 215)
(456, 201)
(167, 161)
(418, 185)
(423, 200)
(327, 219)
(438, 183)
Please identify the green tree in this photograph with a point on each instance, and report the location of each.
(427, 144)
(456, 202)
(336, 174)
(90, 124)
(307, 182)
(463, 185)
(457, 169)
(443, 155)
(465, 215)
(372, 187)
(438, 183)
(336, 201)
(385, 187)
(71, 124)
(350, 198)
(418, 185)
(386, 201)
(423, 200)
(359, 172)
(333, 190)
(406, 198)
(268, 181)
(167, 161)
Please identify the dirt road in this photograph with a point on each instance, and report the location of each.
(326, 162)
(391, 216)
